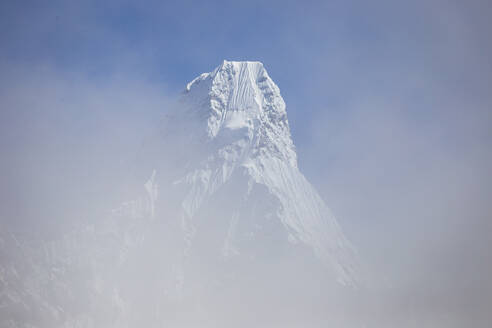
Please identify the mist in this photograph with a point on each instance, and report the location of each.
(390, 111)
(70, 143)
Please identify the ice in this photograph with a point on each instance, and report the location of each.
(245, 120)
(223, 193)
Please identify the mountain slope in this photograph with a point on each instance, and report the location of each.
(237, 119)
(225, 226)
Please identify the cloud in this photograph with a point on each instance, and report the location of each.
(69, 141)
(402, 158)
(389, 104)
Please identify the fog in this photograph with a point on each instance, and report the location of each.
(390, 110)
(70, 143)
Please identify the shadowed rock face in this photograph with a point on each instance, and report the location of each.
(226, 219)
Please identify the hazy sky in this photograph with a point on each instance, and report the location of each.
(389, 104)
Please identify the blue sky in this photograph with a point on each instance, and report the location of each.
(389, 104)
(305, 46)
(321, 53)
(331, 45)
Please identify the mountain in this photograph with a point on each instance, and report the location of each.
(237, 119)
(225, 219)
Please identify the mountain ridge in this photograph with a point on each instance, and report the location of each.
(224, 216)
(247, 129)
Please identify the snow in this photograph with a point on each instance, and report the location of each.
(245, 121)
(237, 166)
(152, 192)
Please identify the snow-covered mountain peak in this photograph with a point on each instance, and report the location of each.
(254, 68)
(237, 123)
(226, 216)
(242, 105)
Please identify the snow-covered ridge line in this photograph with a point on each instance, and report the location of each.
(243, 116)
(223, 201)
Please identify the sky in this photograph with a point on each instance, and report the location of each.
(389, 103)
